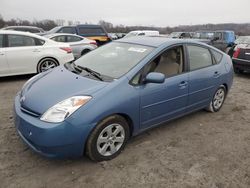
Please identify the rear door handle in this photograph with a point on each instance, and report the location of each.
(183, 84)
(36, 50)
(216, 74)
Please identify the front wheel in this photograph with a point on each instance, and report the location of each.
(108, 139)
(218, 100)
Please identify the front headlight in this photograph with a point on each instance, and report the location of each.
(64, 109)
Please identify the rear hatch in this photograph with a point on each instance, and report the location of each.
(244, 53)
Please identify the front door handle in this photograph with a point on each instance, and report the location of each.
(183, 84)
(1, 53)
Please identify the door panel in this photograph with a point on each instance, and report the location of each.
(5, 69)
(22, 54)
(160, 102)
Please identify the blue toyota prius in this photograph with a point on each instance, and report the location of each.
(95, 104)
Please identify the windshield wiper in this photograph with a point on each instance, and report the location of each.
(92, 72)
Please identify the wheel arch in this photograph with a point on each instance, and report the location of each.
(57, 62)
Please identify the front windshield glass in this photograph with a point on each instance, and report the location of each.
(203, 35)
(54, 30)
(243, 40)
(114, 59)
(175, 35)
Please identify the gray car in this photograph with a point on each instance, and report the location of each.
(80, 45)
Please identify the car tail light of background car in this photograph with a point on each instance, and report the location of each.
(67, 49)
(236, 53)
(94, 43)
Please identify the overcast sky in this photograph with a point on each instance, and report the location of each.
(131, 12)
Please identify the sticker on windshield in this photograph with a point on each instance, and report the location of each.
(140, 50)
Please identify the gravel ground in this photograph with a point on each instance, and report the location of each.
(199, 150)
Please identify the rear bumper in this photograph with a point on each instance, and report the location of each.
(62, 140)
(241, 64)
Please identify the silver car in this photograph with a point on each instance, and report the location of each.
(80, 45)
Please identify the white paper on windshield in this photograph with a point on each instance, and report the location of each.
(140, 50)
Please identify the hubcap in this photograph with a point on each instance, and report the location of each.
(47, 64)
(110, 139)
(218, 98)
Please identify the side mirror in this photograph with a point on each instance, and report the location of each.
(155, 77)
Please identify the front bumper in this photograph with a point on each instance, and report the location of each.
(62, 140)
(241, 64)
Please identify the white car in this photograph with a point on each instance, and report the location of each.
(80, 45)
(142, 33)
(26, 53)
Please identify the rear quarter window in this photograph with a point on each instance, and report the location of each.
(217, 56)
(91, 31)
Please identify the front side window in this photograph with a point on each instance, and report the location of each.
(20, 40)
(1, 41)
(73, 39)
(169, 63)
(199, 57)
(114, 59)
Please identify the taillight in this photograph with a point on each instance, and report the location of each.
(67, 49)
(94, 43)
(236, 53)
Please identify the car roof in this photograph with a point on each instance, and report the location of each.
(22, 33)
(156, 41)
(23, 26)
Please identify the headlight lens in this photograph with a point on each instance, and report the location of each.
(64, 109)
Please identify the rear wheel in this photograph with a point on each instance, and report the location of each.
(218, 100)
(84, 52)
(108, 139)
(46, 64)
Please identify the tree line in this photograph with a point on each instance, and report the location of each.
(239, 29)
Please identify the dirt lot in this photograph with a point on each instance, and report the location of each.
(198, 150)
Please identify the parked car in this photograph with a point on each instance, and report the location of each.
(180, 35)
(118, 91)
(142, 33)
(113, 36)
(93, 32)
(31, 29)
(221, 39)
(241, 56)
(26, 53)
(79, 45)
(240, 41)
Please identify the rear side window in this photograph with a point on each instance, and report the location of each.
(1, 41)
(73, 39)
(19, 40)
(217, 56)
(199, 57)
(91, 31)
(61, 38)
(71, 30)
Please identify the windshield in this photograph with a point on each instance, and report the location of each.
(243, 40)
(114, 59)
(54, 30)
(203, 35)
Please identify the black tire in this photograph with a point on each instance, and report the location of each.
(92, 145)
(212, 106)
(84, 52)
(41, 67)
(238, 71)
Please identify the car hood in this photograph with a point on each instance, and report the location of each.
(47, 89)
